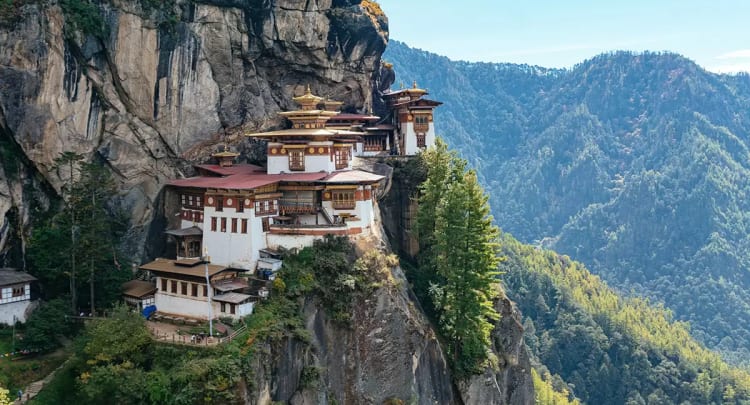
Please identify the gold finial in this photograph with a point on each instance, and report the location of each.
(414, 85)
(401, 85)
(308, 91)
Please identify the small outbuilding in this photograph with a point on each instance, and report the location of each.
(15, 296)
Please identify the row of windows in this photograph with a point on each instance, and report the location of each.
(219, 224)
(191, 201)
(216, 221)
(14, 292)
(183, 288)
(266, 207)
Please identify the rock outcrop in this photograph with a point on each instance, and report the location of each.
(153, 92)
(389, 353)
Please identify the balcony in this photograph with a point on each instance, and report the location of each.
(298, 206)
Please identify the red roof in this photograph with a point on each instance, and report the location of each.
(245, 181)
(234, 169)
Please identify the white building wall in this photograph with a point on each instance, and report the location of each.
(278, 164)
(429, 138)
(317, 163)
(290, 241)
(410, 139)
(229, 248)
(18, 309)
(240, 310)
(193, 307)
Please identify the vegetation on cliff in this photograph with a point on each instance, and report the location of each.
(457, 263)
(635, 164)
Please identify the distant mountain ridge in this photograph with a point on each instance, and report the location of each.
(637, 165)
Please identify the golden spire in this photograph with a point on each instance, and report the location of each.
(308, 101)
(414, 85)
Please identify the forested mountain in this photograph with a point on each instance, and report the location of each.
(605, 348)
(635, 164)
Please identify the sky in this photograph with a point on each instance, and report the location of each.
(561, 33)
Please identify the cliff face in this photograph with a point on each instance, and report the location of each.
(148, 94)
(389, 353)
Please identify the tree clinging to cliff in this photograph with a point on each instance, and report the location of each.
(457, 232)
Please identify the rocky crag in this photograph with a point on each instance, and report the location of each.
(150, 91)
(153, 90)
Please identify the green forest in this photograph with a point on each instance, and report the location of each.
(635, 164)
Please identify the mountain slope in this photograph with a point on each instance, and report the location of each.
(635, 164)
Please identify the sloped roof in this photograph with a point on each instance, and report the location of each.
(138, 288)
(232, 297)
(353, 176)
(168, 266)
(12, 276)
(245, 181)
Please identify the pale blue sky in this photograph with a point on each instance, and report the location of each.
(558, 33)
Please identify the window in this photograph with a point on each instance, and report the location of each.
(244, 225)
(421, 123)
(234, 225)
(18, 291)
(231, 309)
(223, 224)
(219, 203)
(297, 159)
(213, 224)
(342, 158)
(184, 288)
(343, 200)
(205, 291)
(174, 286)
(266, 224)
(240, 204)
(192, 201)
(194, 290)
(223, 307)
(164, 284)
(421, 141)
(265, 207)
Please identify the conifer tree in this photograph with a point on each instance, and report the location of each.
(458, 256)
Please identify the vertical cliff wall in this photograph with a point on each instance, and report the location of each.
(153, 90)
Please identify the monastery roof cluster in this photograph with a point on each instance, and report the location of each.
(227, 218)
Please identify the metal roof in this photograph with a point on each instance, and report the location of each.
(245, 181)
(192, 231)
(138, 288)
(171, 267)
(232, 297)
(12, 276)
(353, 176)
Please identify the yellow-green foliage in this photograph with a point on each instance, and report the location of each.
(545, 394)
(373, 8)
(651, 326)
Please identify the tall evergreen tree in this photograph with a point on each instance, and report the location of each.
(458, 256)
(82, 238)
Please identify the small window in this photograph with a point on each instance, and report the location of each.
(234, 225)
(266, 224)
(421, 141)
(244, 225)
(18, 291)
(184, 288)
(164, 284)
(219, 203)
(223, 307)
(296, 159)
(223, 224)
(205, 291)
(231, 309)
(174, 286)
(342, 158)
(194, 290)
(343, 200)
(240, 204)
(213, 224)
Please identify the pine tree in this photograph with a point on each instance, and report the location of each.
(466, 247)
(458, 257)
